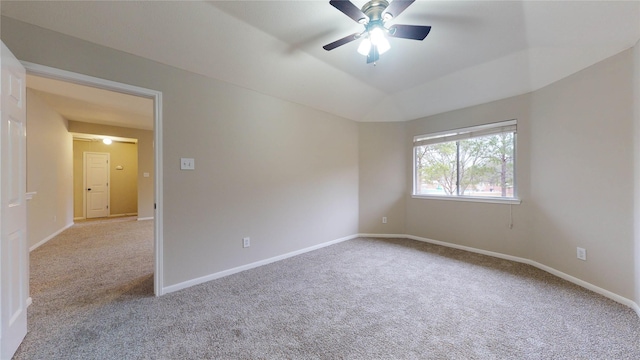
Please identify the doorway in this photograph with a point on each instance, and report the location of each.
(156, 143)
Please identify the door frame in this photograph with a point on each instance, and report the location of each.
(84, 182)
(156, 96)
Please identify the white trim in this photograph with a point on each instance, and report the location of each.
(122, 215)
(490, 200)
(145, 218)
(29, 301)
(636, 308)
(221, 274)
(384, 236)
(606, 293)
(465, 133)
(156, 96)
(81, 79)
(158, 274)
(43, 241)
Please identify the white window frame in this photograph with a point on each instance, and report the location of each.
(461, 134)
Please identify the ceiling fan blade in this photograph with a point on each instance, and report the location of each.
(397, 7)
(347, 8)
(340, 42)
(413, 32)
(374, 55)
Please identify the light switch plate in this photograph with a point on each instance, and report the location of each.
(187, 164)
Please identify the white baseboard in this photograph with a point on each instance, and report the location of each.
(606, 293)
(636, 308)
(145, 218)
(218, 275)
(41, 242)
(385, 236)
(122, 215)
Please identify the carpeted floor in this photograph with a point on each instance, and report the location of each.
(362, 299)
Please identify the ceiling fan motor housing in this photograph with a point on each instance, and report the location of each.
(374, 9)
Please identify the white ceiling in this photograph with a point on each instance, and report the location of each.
(477, 51)
(93, 105)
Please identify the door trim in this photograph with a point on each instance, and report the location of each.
(156, 96)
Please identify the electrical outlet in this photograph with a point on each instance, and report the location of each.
(384, 219)
(187, 164)
(246, 242)
(582, 254)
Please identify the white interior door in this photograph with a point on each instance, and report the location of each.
(96, 169)
(14, 255)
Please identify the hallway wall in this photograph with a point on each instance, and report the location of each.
(49, 171)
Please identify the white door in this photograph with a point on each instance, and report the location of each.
(96, 169)
(14, 255)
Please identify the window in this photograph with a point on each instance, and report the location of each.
(476, 162)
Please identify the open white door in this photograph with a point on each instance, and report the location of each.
(14, 255)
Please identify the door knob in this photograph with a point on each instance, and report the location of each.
(89, 189)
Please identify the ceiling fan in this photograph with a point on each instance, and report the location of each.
(373, 16)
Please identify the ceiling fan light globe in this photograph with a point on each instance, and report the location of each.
(383, 45)
(364, 47)
(377, 35)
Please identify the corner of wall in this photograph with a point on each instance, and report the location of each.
(383, 177)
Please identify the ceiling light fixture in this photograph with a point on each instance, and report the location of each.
(373, 17)
(379, 40)
(375, 40)
(107, 141)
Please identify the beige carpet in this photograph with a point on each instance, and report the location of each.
(361, 299)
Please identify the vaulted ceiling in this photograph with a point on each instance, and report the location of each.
(477, 51)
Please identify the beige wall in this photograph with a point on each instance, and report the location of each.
(283, 174)
(582, 174)
(49, 170)
(145, 160)
(123, 184)
(383, 174)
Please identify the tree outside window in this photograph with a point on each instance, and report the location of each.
(480, 166)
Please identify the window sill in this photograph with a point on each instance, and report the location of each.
(491, 200)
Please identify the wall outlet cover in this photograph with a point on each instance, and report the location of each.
(187, 164)
(582, 253)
